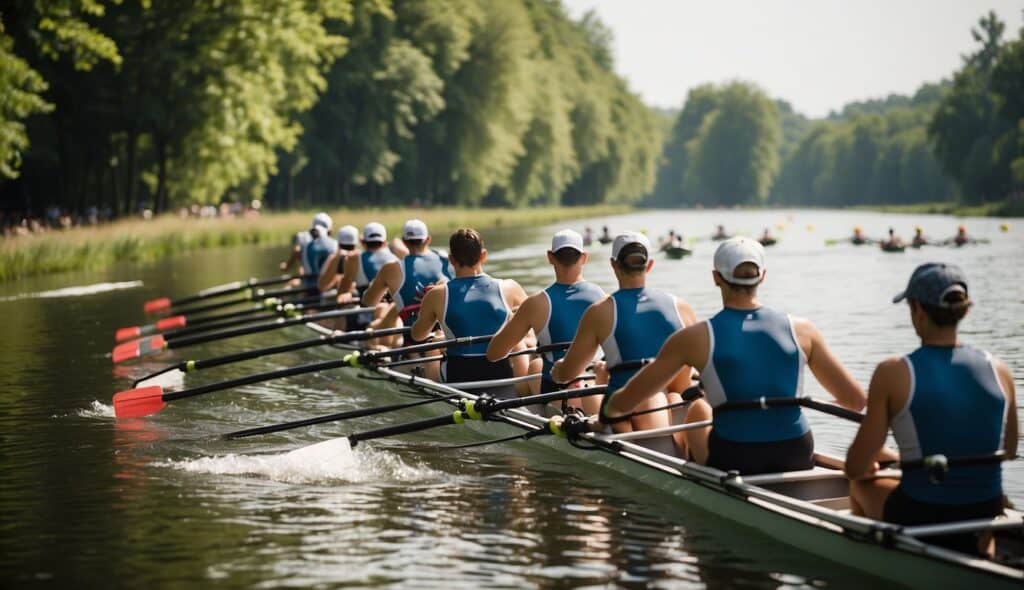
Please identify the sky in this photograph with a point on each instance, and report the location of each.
(816, 54)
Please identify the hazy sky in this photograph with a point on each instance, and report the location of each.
(817, 54)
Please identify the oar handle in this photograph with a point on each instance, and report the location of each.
(369, 358)
(765, 403)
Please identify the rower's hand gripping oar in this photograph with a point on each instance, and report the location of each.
(164, 304)
(154, 344)
(377, 410)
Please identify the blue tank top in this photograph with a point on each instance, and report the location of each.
(370, 264)
(643, 320)
(474, 306)
(419, 271)
(314, 254)
(956, 408)
(566, 304)
(754, 354)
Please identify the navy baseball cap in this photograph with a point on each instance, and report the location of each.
(931, 282)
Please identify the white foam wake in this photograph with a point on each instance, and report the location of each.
(75, 291)
(97, 409)
(331, 460)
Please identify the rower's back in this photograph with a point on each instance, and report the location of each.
(754, 353)
(314, 253)
(370, 263)
(952, 385)
(474, 306)
(420, 270)
(643, 319)
(566, 304)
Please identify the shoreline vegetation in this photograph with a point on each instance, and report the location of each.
(149, 241)
(1005, 208)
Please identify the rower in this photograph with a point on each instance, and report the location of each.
(945, 398)
(893, 243)
(767, 239)
(554, 313)
(407, 280)
(961, 237)
(745, 352)
(720, 234)
(321, 225)
(919, 238)
(858, 237)
(631, 325)
(471, 304)
(588, 236)
(334, 267)
(669, 241)
(361, 269)
(606, 236)
(315, 252)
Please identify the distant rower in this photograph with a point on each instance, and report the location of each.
(554, 313)
(333, 268)
(311, 248)
(745, 352)
(919, 238)
(944, 398)
(361, 269)
(720, 234)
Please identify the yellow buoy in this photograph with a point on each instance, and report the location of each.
(780, 226)
(810, 227)
(1004, 227)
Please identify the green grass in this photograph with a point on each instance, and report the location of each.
(145, 242)
(1006, 208)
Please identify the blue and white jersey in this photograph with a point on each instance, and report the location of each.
(956, 408)
(418, 272)
(643, 319)
(370, 264)
(313, 255)
(566, 304)
(754, 353)
(474, 306)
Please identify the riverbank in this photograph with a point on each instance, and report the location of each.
(147, 241)
(1007, 208)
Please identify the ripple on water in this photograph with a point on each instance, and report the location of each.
(332, 460)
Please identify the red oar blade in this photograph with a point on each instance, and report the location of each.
(157, 305)
(171, 323)
(137, 348)
(128, 333)
(135, 403)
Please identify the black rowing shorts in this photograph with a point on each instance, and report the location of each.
(750, 458)
(460, 369)
(902, 509)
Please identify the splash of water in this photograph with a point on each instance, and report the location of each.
(75, 291)
(331, 460)
(96, 409)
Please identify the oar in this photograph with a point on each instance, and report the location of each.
(154, 344)
(377, 410)
(483, 408)
(194, 365)
(781, 402)
(289, 310)
(162, 304)
(247, 296)
(144, 401)
(267, 306)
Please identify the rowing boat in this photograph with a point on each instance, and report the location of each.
(677, 252)
(808, 510)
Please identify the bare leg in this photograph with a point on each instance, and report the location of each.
(697, 439)
(867, 496)
(678, 416)
(653, 420)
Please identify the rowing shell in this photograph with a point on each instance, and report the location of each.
(808, 509)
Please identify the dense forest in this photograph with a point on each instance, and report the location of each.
(132, 104)
(955, 140)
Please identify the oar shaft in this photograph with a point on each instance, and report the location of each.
(255, 295)
(406, 428)
(267, 306)
(235, 322)
(257, 378)
(230, 288)
(265, 327)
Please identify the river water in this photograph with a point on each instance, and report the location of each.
(87, 501)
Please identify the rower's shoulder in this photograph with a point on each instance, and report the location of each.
(891, 371)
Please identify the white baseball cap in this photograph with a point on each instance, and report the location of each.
(631, 237)
(567, 238)
(348, 235)
(414, 229)
(375, 232)
(736, 251)
(323, 220)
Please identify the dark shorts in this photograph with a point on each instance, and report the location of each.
(750, 458)
(547, 385)
(902, 509)
(359, 321)
(460, 369)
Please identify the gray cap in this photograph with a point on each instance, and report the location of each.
(931, 282)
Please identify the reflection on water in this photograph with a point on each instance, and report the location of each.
(94, 502)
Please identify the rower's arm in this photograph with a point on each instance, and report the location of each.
(513, 332)
(890, 375)
(398, 248)
(430, 313)
(1010, 437)
(381, 284)
(292, 258)
(349, 278)
(586, 342)
(682, 348)
(827, 369)
(329, 272)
